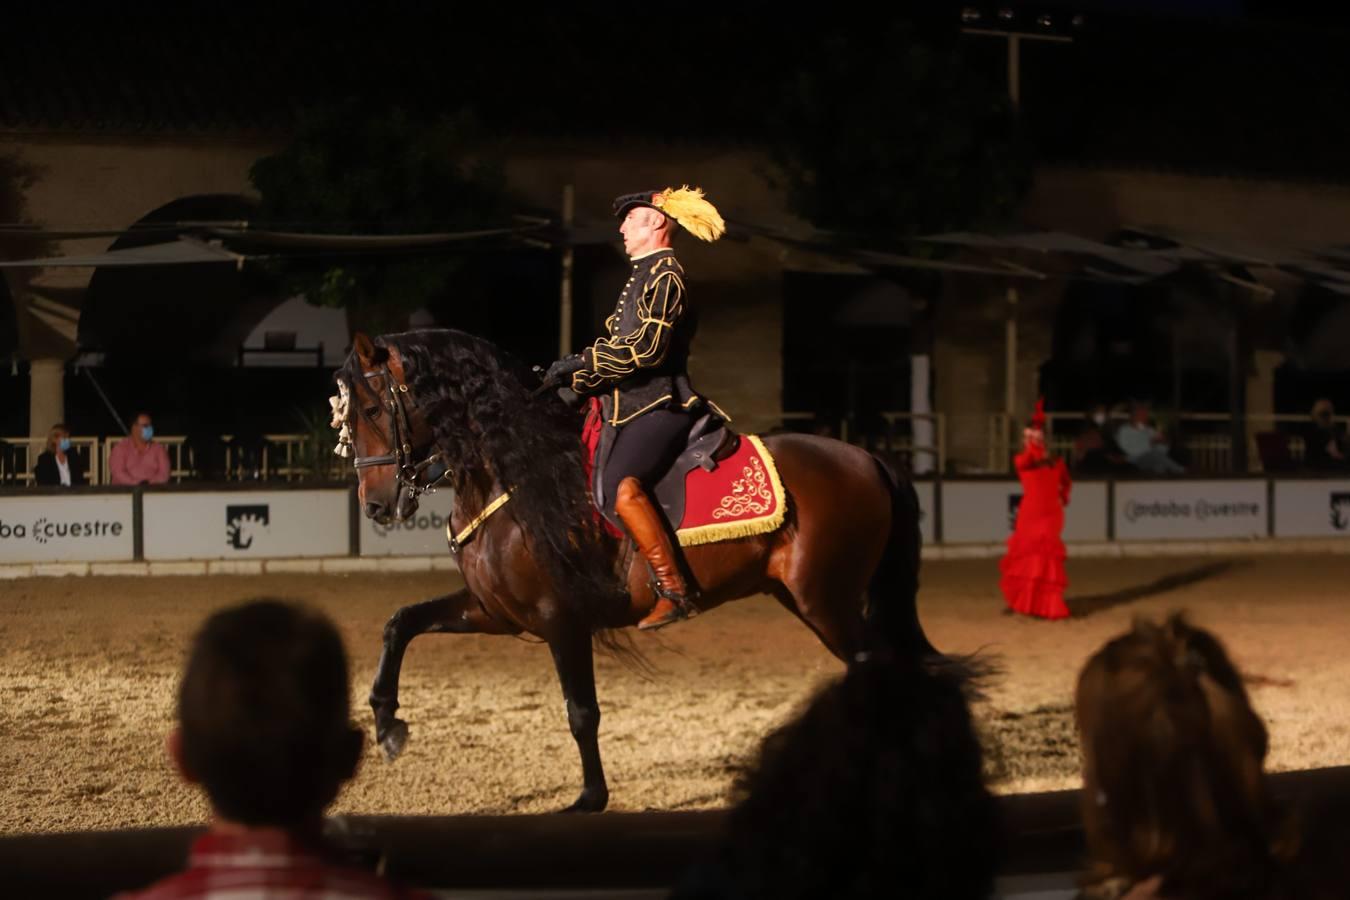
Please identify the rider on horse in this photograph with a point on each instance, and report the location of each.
(638, 372)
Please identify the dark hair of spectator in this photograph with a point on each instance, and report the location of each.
(1173, 781)
(876, 790)
(264, 713)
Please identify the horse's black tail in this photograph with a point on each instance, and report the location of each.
(892, 597)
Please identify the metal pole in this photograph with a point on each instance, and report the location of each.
(1010, 326)
(1010, 356)
(1176, 369)
(1014, 39)
(112, 411)
(1237, 429)
(568, 259)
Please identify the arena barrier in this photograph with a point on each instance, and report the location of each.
(214, 527)
(983, 510)
(613, 854)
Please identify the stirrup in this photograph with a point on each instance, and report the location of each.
(682, 602)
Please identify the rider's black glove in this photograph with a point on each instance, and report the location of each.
(561, 371)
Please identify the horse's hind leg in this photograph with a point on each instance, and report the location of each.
(835, 617)
(574, 659)
(457, 613)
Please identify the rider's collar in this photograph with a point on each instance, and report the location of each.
(650, 253)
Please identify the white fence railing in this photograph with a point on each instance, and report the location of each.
(1205, 440)
(986, 443)
(276, 457)
(920, 438)
(950, 444)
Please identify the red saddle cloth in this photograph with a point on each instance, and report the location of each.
(743, 496)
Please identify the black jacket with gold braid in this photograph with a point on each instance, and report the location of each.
(641, 364)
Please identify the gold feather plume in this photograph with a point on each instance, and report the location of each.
(695, 214)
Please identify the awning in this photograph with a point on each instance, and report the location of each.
(1120, 262)
(1147, 253)
(296, 240)
(255, 244)
(184, 251)
(824, 246)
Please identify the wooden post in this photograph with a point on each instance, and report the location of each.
(568, 261)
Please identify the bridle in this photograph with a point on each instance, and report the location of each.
(418, 477)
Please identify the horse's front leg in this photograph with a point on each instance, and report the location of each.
(573, 658)
(457, 613)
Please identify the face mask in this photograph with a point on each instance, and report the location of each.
(1099, 418)
(147, 432)
(64, 444)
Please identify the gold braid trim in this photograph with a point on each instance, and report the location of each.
(615, 358)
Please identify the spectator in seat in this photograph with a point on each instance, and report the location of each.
(1175, 799)
(264, 728)
(1094, 450)
(137, 459)
(1144, 446)
(59, 465)
(1325, 444)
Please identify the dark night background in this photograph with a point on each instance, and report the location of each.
(1219, 88)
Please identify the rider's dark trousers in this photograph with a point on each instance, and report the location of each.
(646, 448)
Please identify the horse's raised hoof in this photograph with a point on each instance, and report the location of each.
(589, 802)
(393, 739)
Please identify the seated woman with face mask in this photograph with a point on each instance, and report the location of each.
(59, 465)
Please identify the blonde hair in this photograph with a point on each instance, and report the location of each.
(1173, 754)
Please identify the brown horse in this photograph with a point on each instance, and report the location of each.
(447, 408)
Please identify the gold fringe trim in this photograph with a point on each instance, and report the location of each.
(726, 531)
(695, 214)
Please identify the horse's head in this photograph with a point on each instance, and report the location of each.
(390, 442)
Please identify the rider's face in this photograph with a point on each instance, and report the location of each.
(644, 229)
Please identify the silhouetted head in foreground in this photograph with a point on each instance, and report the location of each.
(1173, 780)
(264, 716)
(875, 790)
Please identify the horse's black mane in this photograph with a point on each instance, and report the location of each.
(476, 398)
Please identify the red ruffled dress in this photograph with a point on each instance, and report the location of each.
(1033, 579)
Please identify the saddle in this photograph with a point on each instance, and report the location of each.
(722, 486)
(710, 442)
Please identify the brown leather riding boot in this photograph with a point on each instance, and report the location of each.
(647, 526)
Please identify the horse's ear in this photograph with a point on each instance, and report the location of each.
(366, 350)
(363, 346)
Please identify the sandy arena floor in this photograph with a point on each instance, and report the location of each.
(88, 670)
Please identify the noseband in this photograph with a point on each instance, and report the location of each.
(411, 474)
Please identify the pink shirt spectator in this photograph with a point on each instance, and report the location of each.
(268, 864)
(130, 465)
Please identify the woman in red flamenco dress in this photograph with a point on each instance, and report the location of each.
(1033, 579)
